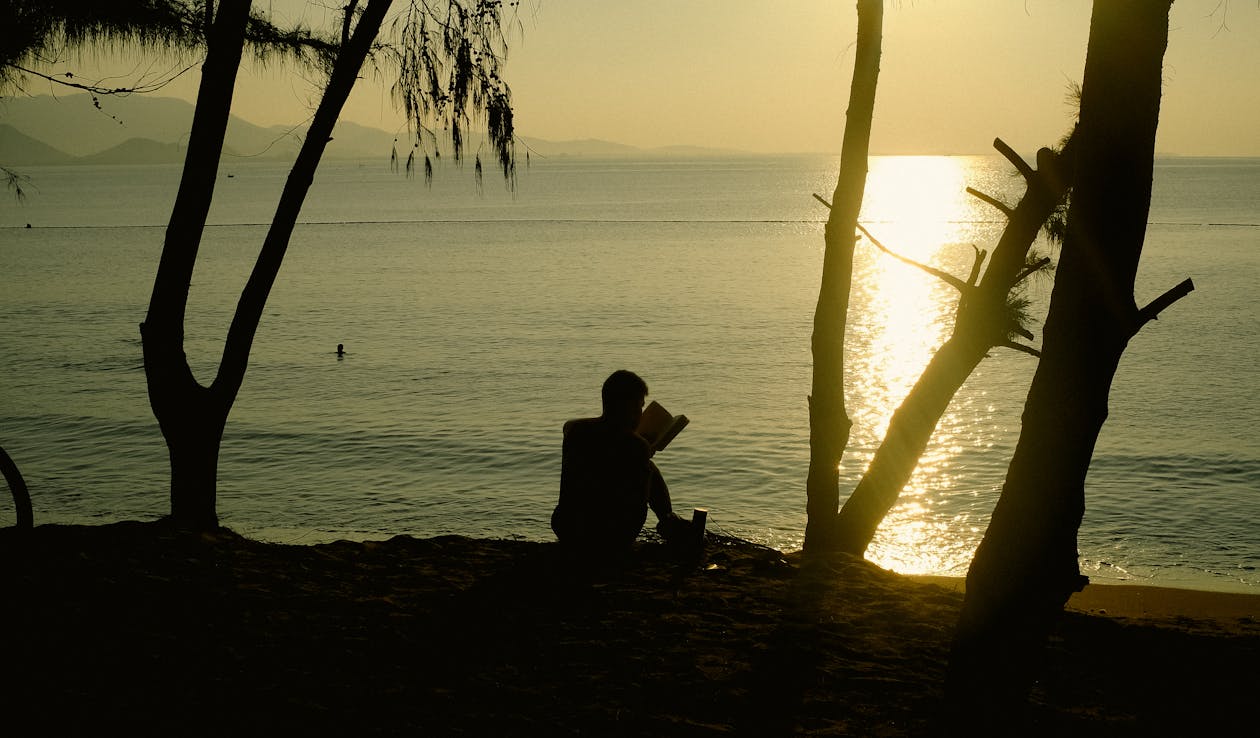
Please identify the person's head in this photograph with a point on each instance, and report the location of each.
(623, 394)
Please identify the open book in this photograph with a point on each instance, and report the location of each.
(658, 427)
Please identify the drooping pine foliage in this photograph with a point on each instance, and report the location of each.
(446, 59)
(42, 32)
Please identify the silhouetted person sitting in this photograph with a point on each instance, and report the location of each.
(607, 478)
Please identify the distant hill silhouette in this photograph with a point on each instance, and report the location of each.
(143, 129)
(584, 147)
(137, 151)
(593, 148)
(20, 150)
(74, 125)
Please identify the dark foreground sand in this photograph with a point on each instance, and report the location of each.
(132, 629)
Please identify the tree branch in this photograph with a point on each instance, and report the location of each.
(946, 277)
(98, 90)
(1029, 174)
(14, 181)
(1031, 269)
(253, 299)
(819, 198)
(345, 23)
(1156, 306)
(975, 266)
(1006, 209)
(1021, 348)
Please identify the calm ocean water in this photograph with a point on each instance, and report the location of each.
(477, 323)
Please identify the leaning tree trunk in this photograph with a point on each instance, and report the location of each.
(249, 308)
(829, 422)
(190, 416)
(1026, 566)
(982, 322)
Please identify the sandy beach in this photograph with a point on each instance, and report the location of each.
(133, 628)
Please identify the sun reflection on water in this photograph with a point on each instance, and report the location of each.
(917, 207)
(917, 204)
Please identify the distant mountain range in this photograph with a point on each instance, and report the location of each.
(140, 129)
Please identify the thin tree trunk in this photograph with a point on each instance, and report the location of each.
(981, 323)
(1026, 566)
(188, 415)
(249, 307)
(829, 423)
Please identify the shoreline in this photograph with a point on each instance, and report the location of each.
(1218, 584)
(1102, 596)
(138, 628)
(1202, 584)
(1145, 602)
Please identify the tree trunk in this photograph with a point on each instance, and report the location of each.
(188, 414)
(194, 452)
(25, 518)
(829, 422)
(908, 433)
(192, 417)
(981, 323)
(1026, 566)
(249, 307)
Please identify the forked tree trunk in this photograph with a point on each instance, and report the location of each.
(981, 323)
(829, 422)
(192, 417)
(1026, 566)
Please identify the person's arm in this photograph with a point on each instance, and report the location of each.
(658, 494)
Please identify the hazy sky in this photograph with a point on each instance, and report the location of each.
(773, 75)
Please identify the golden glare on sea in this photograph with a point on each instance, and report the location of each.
(915, 206)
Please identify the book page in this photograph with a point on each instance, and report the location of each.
(656, 419)
(675, 427)
(658, 427)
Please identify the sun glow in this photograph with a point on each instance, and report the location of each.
(916, 204)
(917, 208)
